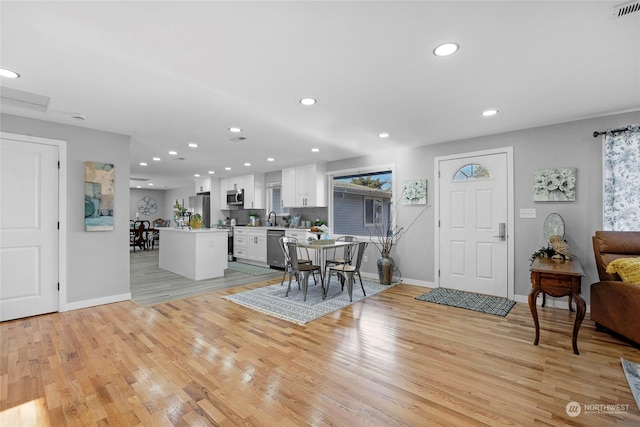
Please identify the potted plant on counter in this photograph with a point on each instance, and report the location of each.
(286, 221)
(196, 221)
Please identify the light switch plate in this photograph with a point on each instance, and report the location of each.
(528, 213)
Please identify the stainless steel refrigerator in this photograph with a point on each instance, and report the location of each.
(202, 205)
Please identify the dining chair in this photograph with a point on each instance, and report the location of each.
(348, 270)
(136, 235)
(339, 255)
(287, 260)
(300, 271)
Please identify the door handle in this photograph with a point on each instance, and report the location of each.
(502, 233)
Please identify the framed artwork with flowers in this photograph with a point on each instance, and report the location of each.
(554, 185)
(414, 192)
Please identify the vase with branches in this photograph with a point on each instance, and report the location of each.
(387, 234)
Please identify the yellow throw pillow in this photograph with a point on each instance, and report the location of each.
(627, 268)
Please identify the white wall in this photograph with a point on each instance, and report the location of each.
(566, 144)
(143, 200)
(98, 262)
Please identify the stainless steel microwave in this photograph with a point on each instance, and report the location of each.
(235, 197)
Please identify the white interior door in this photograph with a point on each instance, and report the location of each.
(473, 205)
(28, 229)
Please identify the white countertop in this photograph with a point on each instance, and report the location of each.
(270, 227)
(188, 230)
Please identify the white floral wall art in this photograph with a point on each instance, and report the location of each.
(554, 185)
(414, 192)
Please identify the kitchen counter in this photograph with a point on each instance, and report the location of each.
(195, 254)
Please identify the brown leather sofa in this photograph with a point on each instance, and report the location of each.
(615, 305)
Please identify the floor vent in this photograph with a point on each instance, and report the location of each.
(625, 9)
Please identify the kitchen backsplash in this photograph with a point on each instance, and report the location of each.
(308, 214)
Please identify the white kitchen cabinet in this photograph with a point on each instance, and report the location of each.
(300, 234)
(203, 185)
(250, 245)
(254, 197)
(305, 186)
(253, 186)
(288, 189)
(223, 185)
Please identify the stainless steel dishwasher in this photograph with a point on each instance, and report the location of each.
(275, 257)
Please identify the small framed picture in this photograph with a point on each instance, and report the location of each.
(295, 220)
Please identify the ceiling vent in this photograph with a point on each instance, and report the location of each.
(138, 179)
(625, 9)
(238, 139)
(20, 98)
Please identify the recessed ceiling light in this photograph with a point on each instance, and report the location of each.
(9, 74)
(156, 159)
(383, 135)
(143, 164)
(270, 159)
(315, 150)
(197, 175)
(138, 186)
(173, 153)
(489, 113)
(79, 116)
(227, 168)
(192, 145)
(235, 130)
(247, 164)
(150, 184)
(211, 172)
(307, 101)
(446, 49)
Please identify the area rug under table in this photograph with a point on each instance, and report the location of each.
(270, 300)
(469, 301)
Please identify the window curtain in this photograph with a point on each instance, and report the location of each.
(621, 172)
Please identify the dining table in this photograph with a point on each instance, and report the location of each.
(321, 247)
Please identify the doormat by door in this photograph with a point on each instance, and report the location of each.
(469, 301)
(632, 372)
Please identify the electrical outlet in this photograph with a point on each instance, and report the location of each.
(365, 258)
(528, 213)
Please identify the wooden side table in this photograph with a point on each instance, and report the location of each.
(558, 279)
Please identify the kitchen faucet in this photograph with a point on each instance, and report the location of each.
(275, 218)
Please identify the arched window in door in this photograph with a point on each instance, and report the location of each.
(471, 171)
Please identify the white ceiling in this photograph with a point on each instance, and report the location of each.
(170, 73)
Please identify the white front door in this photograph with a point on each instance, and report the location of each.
(28, 229)
(473, 212)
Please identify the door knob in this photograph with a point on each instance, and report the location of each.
(502, 233)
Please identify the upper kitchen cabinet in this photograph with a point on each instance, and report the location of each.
(253, 186)
(305, 186)
(203, 185)
(254, 191)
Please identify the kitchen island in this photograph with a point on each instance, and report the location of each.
(195, 254)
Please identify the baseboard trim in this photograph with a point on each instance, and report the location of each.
(415, 282)
(97, 301)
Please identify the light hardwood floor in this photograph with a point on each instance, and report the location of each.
(389, 360)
